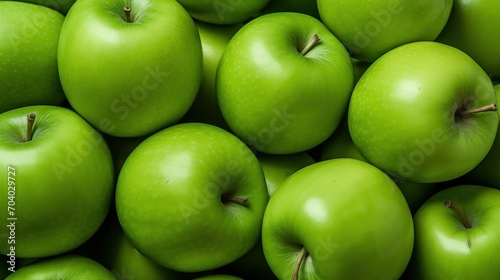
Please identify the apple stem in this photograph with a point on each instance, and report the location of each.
(311, 44)
(239, 200)
(300, 260)
(487, 108)
(466, 222)
(127, 10)
(29, 126)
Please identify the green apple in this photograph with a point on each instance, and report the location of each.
(473, 28)
(61, 6)
(60, 180)
(371, 28)
(308, 7)
(486, 172)
(29, 36)
(191, 197)
(331, 218)
(424, 112)
(72, 267)
(284, 83)
(223, 11)
(130, 68)
(214, 39)
(277, 168)
(456, 234)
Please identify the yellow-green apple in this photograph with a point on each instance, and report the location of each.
(59, 181)
(280, 74)
(29, 36)
(331, 218)
(456, 234)
(191, 197)
(130, 68)
(424, 112)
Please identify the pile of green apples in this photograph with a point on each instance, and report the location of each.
(264, 139)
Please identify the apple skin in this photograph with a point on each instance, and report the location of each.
(125, 78)
(28, 51)
(214, 39)
(369, 29)
(62, 6)
(187, 173)
(223, 11)
(403, 113)
(441, 239)
(64, 180)
(269, 94)
(486, 172)
(277, 168)
(72, 267)
(473, 28)
(348, 214)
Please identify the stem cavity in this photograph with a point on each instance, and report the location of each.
(238, 200)
(465, 222)
(126, 11)
(311, 44)
(298, 264)
(29, 126)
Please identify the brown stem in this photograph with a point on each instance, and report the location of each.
(487, 108)
(300, 260)
(311, 44)
(29, 126)
(127, 10)
(466, 222)
(239, 200)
